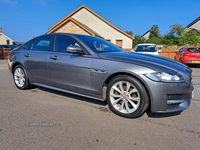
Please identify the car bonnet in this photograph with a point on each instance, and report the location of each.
(150, 61)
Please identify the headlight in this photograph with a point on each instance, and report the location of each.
(164, 77)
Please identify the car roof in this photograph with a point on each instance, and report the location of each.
(191, 47)
(146, 44)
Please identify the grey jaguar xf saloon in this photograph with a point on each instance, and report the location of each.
(95, 68)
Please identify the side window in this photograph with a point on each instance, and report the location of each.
(182, 50)
(42, 43)
(62, 42)
(28, 45)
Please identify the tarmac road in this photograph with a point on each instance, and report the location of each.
(41, 119)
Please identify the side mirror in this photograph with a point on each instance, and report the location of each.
(75, 49)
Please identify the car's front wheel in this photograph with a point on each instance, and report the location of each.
(20, 78)
(127, 97)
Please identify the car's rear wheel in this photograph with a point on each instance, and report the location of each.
(127, 97)
(20, 78)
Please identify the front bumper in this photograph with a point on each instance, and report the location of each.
(169, 97)
(180, 101)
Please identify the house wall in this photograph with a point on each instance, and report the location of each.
(3, 39)
(71, 27)
(196, 25)
(102, 28)
(146, 36)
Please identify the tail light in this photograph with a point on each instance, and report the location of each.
(8, 55)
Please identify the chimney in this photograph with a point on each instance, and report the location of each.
(1, 31)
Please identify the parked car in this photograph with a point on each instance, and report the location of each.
(188, 55)
(146, 48)
(92, 67)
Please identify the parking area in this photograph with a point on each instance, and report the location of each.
(44, 119)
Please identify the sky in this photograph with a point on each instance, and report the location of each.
(22, 20)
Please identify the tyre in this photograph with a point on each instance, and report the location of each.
(127, 97)
(20, 78)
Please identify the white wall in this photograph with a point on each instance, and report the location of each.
(102, 28)
(196, 25)
(3, 39)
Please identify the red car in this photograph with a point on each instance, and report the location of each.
(188, 55)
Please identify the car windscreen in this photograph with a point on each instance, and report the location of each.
(194, 50)
(146, 48)
(99, 45)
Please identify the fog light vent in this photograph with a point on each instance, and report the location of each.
(174, 97)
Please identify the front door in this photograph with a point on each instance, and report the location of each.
(69, 71)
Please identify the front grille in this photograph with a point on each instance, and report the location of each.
(171, 106)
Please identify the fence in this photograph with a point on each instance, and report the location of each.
(168, 53)
(4, 53)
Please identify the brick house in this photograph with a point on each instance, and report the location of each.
(85, 21)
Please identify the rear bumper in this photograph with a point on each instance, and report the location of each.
(10, 65)
(191, 61)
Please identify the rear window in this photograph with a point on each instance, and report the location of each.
(194, 50)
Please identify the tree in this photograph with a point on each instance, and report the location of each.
(169, 39)
(154, 31)
(130, 33)
(176, 30)
(190, 37)
(155, 40)
(138, 40)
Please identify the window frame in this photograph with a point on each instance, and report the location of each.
(65, 36)
(32, 41)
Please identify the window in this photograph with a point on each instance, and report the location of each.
(8, 41)
(42, 43)
(119, 43)
(181, 50)
(28, 45)
(99, 45)
(62, 42)
(194, 50)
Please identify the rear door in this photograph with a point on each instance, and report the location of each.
(35, 56)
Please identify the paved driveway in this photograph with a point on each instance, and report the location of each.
(41, 119)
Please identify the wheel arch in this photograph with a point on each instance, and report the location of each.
(14, 65)
(104, 89)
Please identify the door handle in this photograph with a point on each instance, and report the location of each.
(98, 71)
(27, 55)
(54, 57)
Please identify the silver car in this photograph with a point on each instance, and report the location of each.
(92, 67)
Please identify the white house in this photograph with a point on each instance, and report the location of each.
(146, 35)
(195, 24)
(5, 39)
(85, 21)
